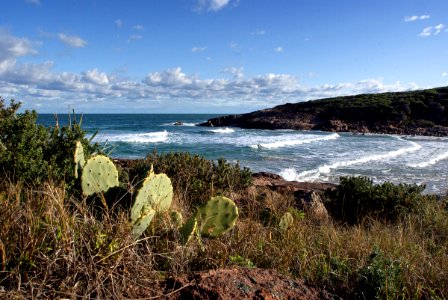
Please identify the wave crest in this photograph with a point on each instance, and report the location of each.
(287, 143)
(147, 137)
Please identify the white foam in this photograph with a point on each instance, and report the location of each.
(289, 142)
(148, 137)
(430, 162)
(223, 130)
(326, 169)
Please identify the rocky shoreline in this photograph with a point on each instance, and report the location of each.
(266, 120)
(422, 112)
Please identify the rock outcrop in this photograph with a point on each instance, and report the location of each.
(413, 113)
(241, 283)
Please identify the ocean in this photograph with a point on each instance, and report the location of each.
(295, 155)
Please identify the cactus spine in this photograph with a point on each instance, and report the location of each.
(217, 216)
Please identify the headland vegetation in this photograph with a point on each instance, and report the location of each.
(423, 112)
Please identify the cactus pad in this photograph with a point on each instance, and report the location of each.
(156, 192)
(188, 230)
(79, 158)
(140, 224)
(98, 175)
(217, 216)
(176, 218)
(286, 221)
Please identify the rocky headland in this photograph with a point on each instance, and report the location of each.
(423, 112)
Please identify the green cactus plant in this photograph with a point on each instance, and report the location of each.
(188, 230)
(217, 216)
(142, 222)
(176, 218)
(286, 221)
(98, 175)
(156, 194)
(79, 158)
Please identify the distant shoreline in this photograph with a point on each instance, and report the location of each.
(422, 113)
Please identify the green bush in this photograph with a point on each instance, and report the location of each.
(357, 197)
(380, 278)
(31, 153)
(194, 177)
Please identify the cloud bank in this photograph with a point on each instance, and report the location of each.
(41, 87)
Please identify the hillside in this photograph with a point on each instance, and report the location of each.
(423, 112)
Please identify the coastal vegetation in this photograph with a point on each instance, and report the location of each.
(423, 112)
(379, 241)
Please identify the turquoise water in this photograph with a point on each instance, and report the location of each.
(295, 155)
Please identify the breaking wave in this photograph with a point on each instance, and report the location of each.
(289, 142)
(223, 130)
(291, 174)
(430, 162)
(149, 137)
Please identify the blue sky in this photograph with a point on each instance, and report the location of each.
(217, 56)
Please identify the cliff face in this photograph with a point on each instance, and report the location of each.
(422, 112)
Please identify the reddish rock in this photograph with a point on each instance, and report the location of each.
(241, 283)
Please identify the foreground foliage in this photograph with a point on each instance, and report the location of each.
(31, 153)
(386, 241)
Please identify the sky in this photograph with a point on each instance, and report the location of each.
(215, 56)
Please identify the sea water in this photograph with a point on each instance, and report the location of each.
(295, 155)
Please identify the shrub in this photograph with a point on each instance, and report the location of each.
(357, 197)
(380, 278)
(32, 153)
(194, 178)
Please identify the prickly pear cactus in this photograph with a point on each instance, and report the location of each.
(188, 230)
(140, 224)
(286, 221)
(217, 216)
(98, 175)
(156, 192)
(79, 158)
(176, 218)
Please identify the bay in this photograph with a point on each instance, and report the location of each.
(295, 155)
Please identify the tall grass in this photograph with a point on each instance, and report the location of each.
(57, 246)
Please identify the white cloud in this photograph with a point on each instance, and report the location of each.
(278, 49)
(35, 2)
(138, 27)
(118, 23)
(234, 45)
(198, 49)
(416, 18)
(259, 32)
(13, 47)
(444, 74)
(432, 30)
(235, 72)
(134, 37)
(96, 77)
(71, 40)
(214, 5)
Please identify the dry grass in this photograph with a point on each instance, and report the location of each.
(57, 246)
